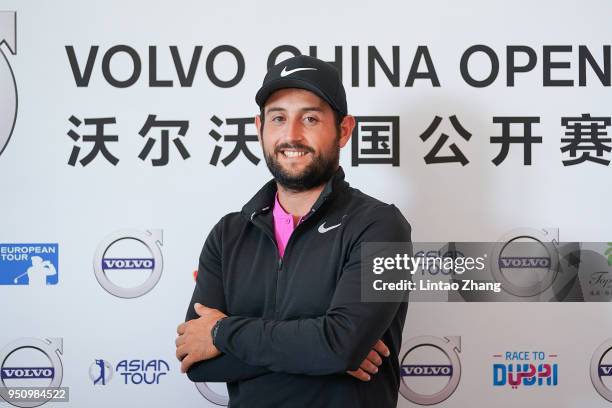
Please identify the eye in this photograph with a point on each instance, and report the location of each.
(277, 119)
(311, 119)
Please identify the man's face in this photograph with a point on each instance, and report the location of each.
(300, 138)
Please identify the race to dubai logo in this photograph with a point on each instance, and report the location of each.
(430, 369)
(8, 85)
(520, 369)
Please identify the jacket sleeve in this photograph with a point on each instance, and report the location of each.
(209, 292)
(331, 343)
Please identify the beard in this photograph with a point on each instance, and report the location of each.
(321, 168)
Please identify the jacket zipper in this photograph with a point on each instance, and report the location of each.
(279, 259)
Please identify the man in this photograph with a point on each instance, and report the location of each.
(276, 312)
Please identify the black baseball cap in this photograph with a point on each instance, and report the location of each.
(308, 73)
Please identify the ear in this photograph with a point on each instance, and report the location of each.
(258, 127)
(346, 129)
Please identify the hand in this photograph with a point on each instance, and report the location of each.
(194, 342)
(369, 366)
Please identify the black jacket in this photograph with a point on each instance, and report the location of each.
(297, 323)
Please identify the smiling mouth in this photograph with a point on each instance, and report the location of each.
(289, 153)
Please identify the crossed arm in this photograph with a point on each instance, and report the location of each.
(345, 338)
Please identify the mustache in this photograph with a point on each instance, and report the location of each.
(296, 146)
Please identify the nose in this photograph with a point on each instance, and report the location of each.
(294, 130)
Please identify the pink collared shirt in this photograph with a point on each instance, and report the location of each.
(283, 226)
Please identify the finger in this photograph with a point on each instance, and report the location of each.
(200, 306)
(181, 352)
(374, 358)
(360, 374)
(186, 363)
(382, 348)
(199, 309)
(368, 366)
(180, 340)
(181, 328)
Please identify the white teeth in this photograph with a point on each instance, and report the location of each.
(292, 153)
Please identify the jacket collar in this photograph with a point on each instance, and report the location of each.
(263, 200)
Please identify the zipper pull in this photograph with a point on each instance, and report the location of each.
(308, 214)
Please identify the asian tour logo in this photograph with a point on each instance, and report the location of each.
(31, 362)
(132, 372)
(29, 264)
(526, 369)
(101, 372)
(430, 369)
(8, 85)
(128, 263)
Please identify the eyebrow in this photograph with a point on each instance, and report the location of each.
(306, 109)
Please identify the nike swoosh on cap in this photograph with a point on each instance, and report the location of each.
(286, 72)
